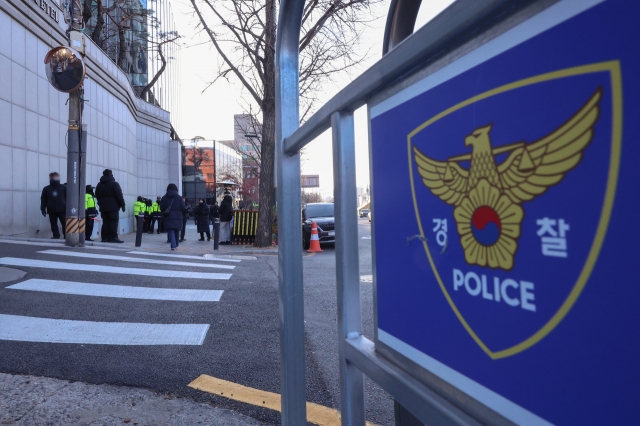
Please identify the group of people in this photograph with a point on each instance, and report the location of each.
(171, 212)
(108, 196)
(175, 211)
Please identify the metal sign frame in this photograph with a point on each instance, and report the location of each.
(466, 24)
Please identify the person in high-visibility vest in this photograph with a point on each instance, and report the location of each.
(138, 208)
(147, 214)
(156, 215)
(90, 212)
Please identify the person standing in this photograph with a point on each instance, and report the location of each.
(185, 218)
(202, 219)
(213, 212)
(110, 201)
(226, 215)
(156, 215)
(53, 201)
(147, 217)
(175, 206)
(139, 207)
(90, 212)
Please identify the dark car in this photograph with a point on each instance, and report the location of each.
(322, 215)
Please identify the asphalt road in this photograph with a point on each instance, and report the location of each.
(241, 345)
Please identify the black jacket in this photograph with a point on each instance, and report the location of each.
(178, 208)
(226, 209)
(109, 195)
(188, 211)
(214, 211)
(202, 217)
(54, 198)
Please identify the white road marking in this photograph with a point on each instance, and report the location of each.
(368, 237)
(32, 263)
(120, 291)
(32, 329)
(183, 256)
(129, 259)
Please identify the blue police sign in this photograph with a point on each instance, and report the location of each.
(505, 193)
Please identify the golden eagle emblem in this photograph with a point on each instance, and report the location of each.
(487, 197)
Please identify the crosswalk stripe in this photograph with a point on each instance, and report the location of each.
(33, 329)
(119, 291)
(14, 261)
(129, 259)
(184, 256)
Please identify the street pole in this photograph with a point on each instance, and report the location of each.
(82, 187)
(73, 225)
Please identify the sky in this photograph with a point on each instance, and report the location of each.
(209, 113)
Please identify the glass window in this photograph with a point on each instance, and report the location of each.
(319, 210)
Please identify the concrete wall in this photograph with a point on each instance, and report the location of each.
(126, 134)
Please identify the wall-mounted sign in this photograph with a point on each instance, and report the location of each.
(48, 8)
(65, 69)
(513, 174)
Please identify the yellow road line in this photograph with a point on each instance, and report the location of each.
(316, 414)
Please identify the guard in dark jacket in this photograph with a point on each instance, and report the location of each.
(53, 201)
(214, 212)
(202, 219)
(226, 214)
(185, 218)
(110, 200)
(172, 201)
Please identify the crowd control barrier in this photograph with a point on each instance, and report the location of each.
(245, 223)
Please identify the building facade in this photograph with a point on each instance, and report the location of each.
(126, 134)
(206, 163)
(247, 131)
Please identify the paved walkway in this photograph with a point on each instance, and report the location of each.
(34, 401)
(158, 243)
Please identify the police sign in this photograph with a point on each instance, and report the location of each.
(515, 165)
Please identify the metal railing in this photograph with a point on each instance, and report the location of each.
(404, 55)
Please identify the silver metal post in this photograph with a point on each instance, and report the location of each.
(82, 186)
(292, 349)
(347, 265)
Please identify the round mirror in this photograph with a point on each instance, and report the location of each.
(65, 69)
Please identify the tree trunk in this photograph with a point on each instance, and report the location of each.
(267, 156)
(95, 36)
(158, 74)
(122, 49)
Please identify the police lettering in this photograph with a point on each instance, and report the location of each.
(509, 291)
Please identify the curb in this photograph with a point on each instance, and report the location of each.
(126, 246)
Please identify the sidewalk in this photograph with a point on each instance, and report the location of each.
(158, 243)
(33, 401)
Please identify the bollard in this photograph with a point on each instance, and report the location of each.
(216, 233)
(139, 226)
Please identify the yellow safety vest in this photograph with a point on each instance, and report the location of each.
(155, 207)
(89, 201)
(138, 207)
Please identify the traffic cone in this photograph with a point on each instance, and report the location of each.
(314, 246)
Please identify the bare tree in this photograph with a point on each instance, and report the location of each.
(165, 38)
(243, 33)
(127, 39)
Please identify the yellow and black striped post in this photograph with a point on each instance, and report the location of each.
(72, 226)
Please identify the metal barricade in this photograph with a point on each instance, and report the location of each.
(404, 55)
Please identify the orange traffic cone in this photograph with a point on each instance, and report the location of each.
(314, 246)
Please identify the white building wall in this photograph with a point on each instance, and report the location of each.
(126, 134)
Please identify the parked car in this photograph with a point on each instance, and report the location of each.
(369, 216)
(364, 212)
(322, 214)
